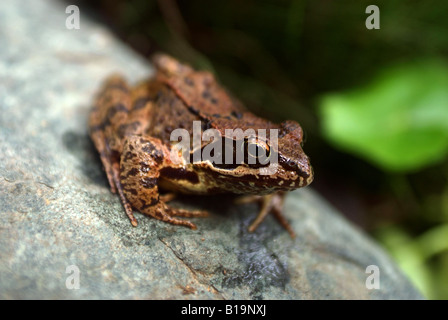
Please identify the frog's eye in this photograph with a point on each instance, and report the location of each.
(257, 152)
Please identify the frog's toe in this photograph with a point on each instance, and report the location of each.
(186, 213)
(165, 213)
(269, 203)
(169, 214)
(282, 220)
(181, 222)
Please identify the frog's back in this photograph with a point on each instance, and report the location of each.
(204, 98)
(169, 113)
(173, 99)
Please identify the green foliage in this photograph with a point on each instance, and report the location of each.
(413, 256)
(398, 122)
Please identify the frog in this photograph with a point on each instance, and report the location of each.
(131, 128)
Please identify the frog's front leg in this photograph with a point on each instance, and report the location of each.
(268, 203)
(140, 165)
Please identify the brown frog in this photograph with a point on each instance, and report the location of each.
(131, 129)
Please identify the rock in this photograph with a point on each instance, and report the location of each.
(57, 211)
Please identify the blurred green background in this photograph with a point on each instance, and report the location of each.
(374, 103)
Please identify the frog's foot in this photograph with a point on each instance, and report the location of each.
(179, 212)
(163, 212)
(269, 203)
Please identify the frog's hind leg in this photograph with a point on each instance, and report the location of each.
(110, 111)
(269, 203)
(126, 205)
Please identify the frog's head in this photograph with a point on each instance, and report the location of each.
(286, 166)
(291, 157)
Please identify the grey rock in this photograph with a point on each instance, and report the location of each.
(57, 211)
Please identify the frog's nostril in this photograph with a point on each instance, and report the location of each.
(303, 168)
(288, 164)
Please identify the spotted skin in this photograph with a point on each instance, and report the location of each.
(141, 161)
(131, 129)
(130, 158)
